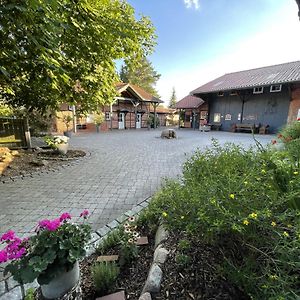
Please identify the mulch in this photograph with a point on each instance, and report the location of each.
(199, 279)
(28, 162)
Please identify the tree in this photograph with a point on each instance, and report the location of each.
(65, 51)
(173, 99)
(141, 74)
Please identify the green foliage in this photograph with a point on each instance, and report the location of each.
(67, 119)
(30, 294)
(150, 121)
(104, 275)
(5, 110)
(99, 118)
(65, 51)
(110, 241)
(123, 238)
(290, 136)
(128, 252)
(39, 123)
(173, 99)
(182, 260)
(184, 245)
(244, 202)
(142, 74)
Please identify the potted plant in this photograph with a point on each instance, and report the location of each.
(51, 256)
(98, 120)
(58, 142)
(67, 119)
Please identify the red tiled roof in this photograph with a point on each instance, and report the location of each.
(189, 102)
(142, 94)
(277, 74)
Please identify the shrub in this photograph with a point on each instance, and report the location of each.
(104, 275)
(113, 239)
(240, 201)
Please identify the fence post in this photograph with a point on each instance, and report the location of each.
(27, 134)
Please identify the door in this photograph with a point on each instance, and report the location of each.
(138, 121)
(121, 120)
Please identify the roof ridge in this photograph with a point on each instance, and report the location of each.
(247, 70)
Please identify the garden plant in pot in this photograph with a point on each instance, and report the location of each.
(51, 256)
(98, 120)
(67, 119)
(58, 143)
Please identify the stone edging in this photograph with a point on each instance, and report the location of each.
(11, 290)
(153, 282)
(71, 162)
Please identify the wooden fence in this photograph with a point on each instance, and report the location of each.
(14, 133)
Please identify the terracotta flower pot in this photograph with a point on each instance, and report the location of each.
(61, 284)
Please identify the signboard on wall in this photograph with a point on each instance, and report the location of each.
(228, 117)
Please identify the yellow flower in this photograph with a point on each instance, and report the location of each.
(273, 277)
(296, 173)
(273, 224)
(246, 222)
(231, 196)
(245, 182)
(263, 171)
(253, 215)
(182, 217)
(285, 234)
(289, 226)
(164, 214)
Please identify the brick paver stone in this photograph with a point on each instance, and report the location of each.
(124, 168)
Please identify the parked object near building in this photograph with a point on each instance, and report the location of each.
(267, 97)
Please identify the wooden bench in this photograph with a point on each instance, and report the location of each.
(245, 127)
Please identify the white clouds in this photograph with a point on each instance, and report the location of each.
(192, 4)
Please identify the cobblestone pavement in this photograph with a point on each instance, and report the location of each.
(124, 167)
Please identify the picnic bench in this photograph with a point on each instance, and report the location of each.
(244, 127)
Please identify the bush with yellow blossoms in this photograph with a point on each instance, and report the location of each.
(243, 202)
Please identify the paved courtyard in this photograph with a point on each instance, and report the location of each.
(123, 168)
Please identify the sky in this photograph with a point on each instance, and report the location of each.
(200, 40)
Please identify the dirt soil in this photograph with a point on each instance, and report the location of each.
(198, 279)
(28, 162)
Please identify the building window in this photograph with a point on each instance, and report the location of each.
(107, 116)
(217, 117)
(187, 118)
(233, 93)
(258, 90)
(220, 94)
(275, 88)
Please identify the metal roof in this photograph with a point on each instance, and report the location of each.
(189, 102)
(277, 74)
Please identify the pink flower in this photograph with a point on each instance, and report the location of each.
(8, 236)
(85, 213)
(13, 246)
(17, 254)
(3, 256)
(65, 216)
(50, 225)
